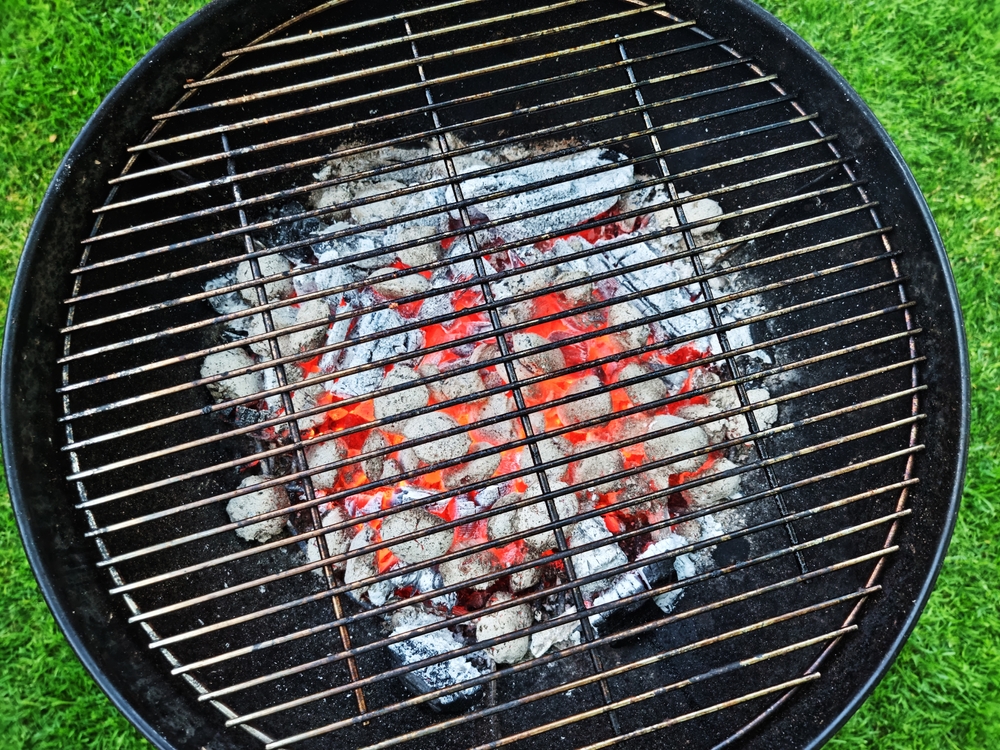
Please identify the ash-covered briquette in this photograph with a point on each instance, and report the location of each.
(413, 385)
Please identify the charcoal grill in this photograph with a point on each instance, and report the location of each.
(121, 464)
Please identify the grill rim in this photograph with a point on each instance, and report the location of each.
(189, 51)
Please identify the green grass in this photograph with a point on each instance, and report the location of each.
(930, 69)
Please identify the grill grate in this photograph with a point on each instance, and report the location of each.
(273, 637)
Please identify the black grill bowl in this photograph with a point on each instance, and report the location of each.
(136, 678)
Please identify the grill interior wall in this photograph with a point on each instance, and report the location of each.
(760, 106)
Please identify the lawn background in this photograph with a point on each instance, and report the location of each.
(930, 69)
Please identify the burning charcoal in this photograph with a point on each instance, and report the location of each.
(587, 471)
(270, 265)
(350, 246)
(684, 566)
(373, 466)
(456, 386)
(390, 469)
(305, 398)
(472, 471)
(582, 290)
(699, 210)
(257, 503)
(766, 416)
(339, 540)
(380, 343)
(522, 580)
(363, 567)
(532, 516)
(713, 492)
(573, 190)
(430, 645)
(498, 433)
(526, 281)
(231, 388)
(464, 569)
(423, 548)
(552, 449)
(391, 208)
(320, 454)
(624, 313)
(311, 311)
(419, 255)
(716, 431)
(559, 636)
(538, 363)
(443, 449)
(676, 443)
(503, 623)
(583, 409)
(402, 286)
(502, 524)
(647, 391)
(596, 560)
(492, 375)
(391, 404)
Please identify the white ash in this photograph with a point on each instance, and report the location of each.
(430, 645)
(624, 313)
(227, 303)
(239, 386)
(350, 247)
(418, 255)
(394, 287)
(597, 560)
(766, 416)
(373, 466)
(575, 189)
(462, 569)
(270, 266)
(589, 470)
(565, 635)
(522, 580)
(537, 363)
(714, 492)
(717, 430)
(337, 541)
(645, 392)
(442, 449)
(470, 472)
(582, 409)
(530, 517)
(675, 443)
(265, 500)
(504, 623)
(305, 398)
(684, 565)
(427, 546)
(498, 432)
(416, 396)
(367, 354)
(321, 454)
(313, 311)
(364, 567)
(462, 385)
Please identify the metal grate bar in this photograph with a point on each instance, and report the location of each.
(580, 338)
(229, 403)
(437, 131)
(226, 262)
(713, 309)
(236, 588)
(299, 460)
(367, 23)
(341, 52)
(656, 591)
(630, 633)
(413, 62)
(460, 286)
(387, 609)
(397, 116)
(696, 392)
(801, 197)
(314, 160)
(703, 360)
